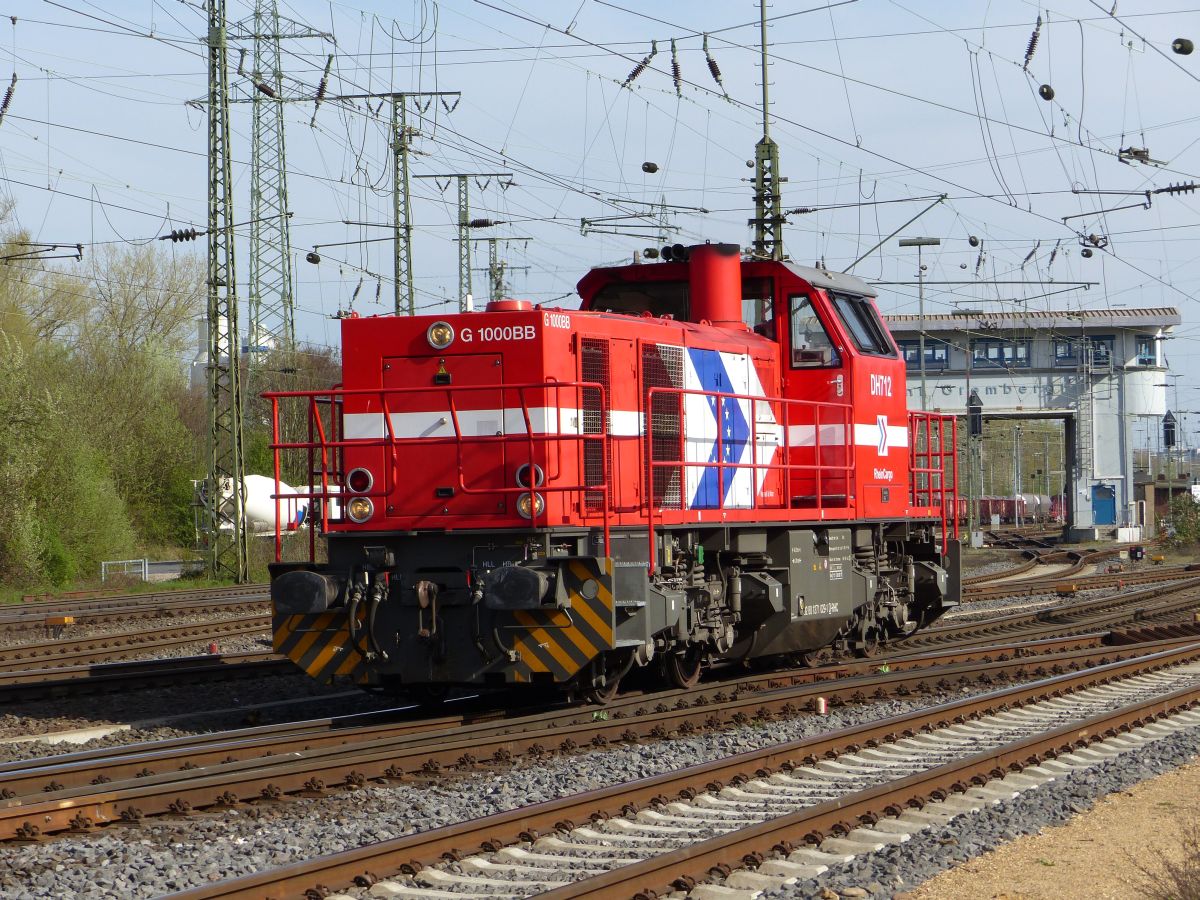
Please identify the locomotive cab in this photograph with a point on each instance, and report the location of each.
(832, 347)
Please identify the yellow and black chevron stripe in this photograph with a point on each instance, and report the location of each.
(319, 643)
(562, 641)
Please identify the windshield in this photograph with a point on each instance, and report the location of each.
(861, 320)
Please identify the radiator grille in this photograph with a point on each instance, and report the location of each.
(594, 366)
(662, 366)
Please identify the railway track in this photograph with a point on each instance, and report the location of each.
(1069, 580)
(65, 667)
(1079, 560)
(807, 802)
(82, 790)
(1149, 605)
(70, 681)
(34, 615)
(104, 648)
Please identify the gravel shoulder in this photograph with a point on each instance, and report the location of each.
(1093, 856)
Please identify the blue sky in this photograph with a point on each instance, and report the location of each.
(872, 100)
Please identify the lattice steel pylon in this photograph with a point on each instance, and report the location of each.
(224, 495)
(465, 224)
(768, 202)
(271, 300)
(464, 245)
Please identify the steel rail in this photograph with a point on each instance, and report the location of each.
(1049, 584)
(1032, 618)
(79, 651)
(310, 772)
(26, 777)
(412, 852)
(26, 619)
(683, 868)
(36, 603)
(63, 681)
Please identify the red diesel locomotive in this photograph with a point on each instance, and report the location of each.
(710, 460)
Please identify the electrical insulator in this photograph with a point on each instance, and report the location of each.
(1033, 42)
(1187, 187)
(8, 95)
(713, 69)
(641, 67)
(1046, 92)
(181, 234)
(676, 77)
(264, 88)
(321, 88)
(481, 223)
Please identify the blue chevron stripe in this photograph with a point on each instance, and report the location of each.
(729, 418)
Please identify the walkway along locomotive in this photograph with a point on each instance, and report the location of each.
(710, 460)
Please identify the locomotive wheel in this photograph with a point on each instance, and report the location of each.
(813, 658)
(682, 668)
(614, 671)
(869, 644)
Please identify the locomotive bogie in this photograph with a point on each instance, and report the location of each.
(482, 609)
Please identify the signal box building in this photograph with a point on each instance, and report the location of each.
(1097, 370)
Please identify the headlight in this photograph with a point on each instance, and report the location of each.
(360, 481)
(523, 476)
(440, 335)
(360, 509)
(530, 505)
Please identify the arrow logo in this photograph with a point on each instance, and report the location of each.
(883, 435)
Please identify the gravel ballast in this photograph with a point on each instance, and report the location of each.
(163, 856)
(168, 855)
(900, 867)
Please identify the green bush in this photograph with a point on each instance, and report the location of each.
(1185, 521)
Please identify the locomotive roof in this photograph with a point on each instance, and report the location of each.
(834, 281)
(822, 278)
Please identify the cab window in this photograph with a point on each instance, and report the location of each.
(811, 346)
(864, 325)
(757, 309)
(659, 298)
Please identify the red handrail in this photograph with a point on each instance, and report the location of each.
(786, 405)
(319, 441)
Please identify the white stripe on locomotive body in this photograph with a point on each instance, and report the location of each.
(710, 371)
(834, 436)
(485, 422)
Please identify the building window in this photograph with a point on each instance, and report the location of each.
(937, 354)
(1000, 354)
(1066, 353)
(1102, 350)
(1146, 355)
